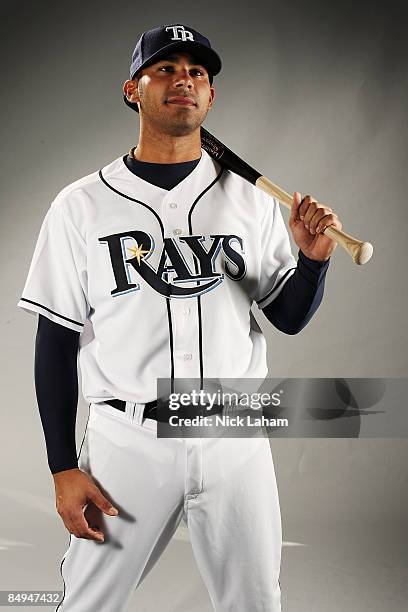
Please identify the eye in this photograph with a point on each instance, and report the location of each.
(166, 68)
(198, 71)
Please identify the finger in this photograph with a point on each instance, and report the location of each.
(294, 213)
(315, 211)
(79, 527)
(321, 212)
(326, 221)
(304, 206)
(93, 533)
(308, 213)
(101, 502)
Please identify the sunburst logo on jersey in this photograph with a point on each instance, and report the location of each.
(138, 252)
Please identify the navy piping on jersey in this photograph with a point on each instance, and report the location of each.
(52, 312)
(170, 324)
(124, 195)
(200, 327)
(61, 564)
(275, 287)
(104, 181)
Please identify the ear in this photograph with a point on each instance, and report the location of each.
(212, 97)
(130, 90)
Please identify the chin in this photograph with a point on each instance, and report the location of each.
(182, 128)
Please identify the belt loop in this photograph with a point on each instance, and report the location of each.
(228, 409)
(138, 413)
(129, 410)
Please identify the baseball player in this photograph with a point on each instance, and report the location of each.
(148, 269)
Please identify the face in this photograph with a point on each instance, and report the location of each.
(174, 94)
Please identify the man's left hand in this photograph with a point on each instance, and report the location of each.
(308, 220)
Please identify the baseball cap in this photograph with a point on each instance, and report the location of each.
(159, 42)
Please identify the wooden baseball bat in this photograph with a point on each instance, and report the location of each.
(359, 250)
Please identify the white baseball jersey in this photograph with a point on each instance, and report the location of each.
(160, 283)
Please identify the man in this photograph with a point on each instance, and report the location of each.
(150, 267)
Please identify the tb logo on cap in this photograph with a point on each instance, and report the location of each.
(179, 33)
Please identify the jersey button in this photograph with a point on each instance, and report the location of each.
(173, 205)
(186, 310)
(177, 231)
(187, 356)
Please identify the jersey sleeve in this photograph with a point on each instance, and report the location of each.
(277, 261)
(56, 285)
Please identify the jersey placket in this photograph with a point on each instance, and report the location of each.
(184, 312)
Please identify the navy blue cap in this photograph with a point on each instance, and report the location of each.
(159, 42)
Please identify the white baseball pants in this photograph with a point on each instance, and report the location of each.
(225, 488)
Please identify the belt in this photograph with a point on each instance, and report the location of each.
(150, 409)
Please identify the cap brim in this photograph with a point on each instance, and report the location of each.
(205, 55)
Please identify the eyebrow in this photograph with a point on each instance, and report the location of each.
(174, 58)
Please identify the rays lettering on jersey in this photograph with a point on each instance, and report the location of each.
(173, 262)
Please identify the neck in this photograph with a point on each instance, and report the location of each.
(167, 149)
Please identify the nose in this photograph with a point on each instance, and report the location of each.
(183, 79)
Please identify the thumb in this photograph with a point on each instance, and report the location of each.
(102, 503)
(297, 199)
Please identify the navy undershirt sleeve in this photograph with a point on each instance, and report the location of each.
(56, 385)
(300, 297)
(56, 349)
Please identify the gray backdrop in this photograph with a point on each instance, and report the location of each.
(314, 95)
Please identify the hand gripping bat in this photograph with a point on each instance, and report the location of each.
(359, 250)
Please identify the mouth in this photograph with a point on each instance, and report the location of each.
(181, 100)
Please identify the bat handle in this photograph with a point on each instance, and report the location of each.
(359, 250)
